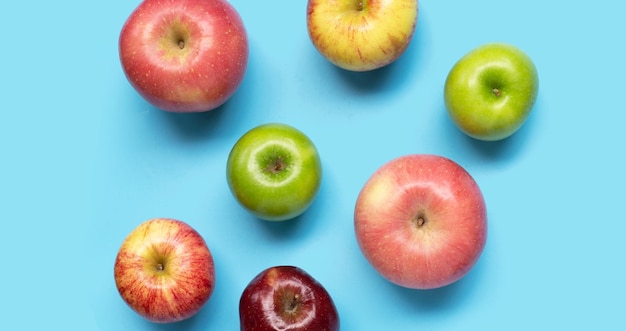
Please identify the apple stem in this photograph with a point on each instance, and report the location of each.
(419, 220)
(496, 92)
(360, 6)
(181, 44)
(160, 267)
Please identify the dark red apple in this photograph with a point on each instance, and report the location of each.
(287, 298)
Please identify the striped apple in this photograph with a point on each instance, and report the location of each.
(164, 270)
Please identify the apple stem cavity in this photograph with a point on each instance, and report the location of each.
(419, 220)
(292, 305)
(159, 264)
(277, 165)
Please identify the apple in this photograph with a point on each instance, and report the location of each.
(286, 298)
(184, 55)
(361, 35)
(164, 270)
(274, 171)
(421, 222)
(490, 91)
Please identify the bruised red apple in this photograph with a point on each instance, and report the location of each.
(164, 270)
(421, 221)
(286, 298)
(184, 55)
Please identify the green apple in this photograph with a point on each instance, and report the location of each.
(274, 171)
(491, 90)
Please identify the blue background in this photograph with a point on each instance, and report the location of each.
(85, 160)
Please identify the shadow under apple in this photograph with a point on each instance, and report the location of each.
(186, 126)
(193, 126)
(294, 229)
(282, 230)
(449, 297)
(306, 225)
(501, 151)
(368, 81)
(387, 78)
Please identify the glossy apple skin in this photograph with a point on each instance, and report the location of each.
(164, 270)
(490, 92)
(361, 35)
(203, 74)
(256, 184)
(287, 298)
(419, 188)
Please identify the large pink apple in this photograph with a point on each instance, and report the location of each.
(164, 270)
(421, 221)
(184, 55)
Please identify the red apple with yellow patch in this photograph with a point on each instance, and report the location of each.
(164, 270)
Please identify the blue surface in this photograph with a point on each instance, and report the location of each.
(85, 160)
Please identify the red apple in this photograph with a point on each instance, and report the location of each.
(184, 55)
(164, 270)
(421, 221)
(286, 298)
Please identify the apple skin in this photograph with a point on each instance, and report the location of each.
(184, 55)
(421, 221)
(490, 92)
(164, 270)
(286, 298)
(361, 35)
(274, 171)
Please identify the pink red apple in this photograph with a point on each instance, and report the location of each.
(184, 55)
(164, 270)
(287, 298)
(421, 221)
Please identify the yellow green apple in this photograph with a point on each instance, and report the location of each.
(361, 35)
(490, 92)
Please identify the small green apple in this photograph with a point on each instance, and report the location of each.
(490, 91)
(274, 171)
